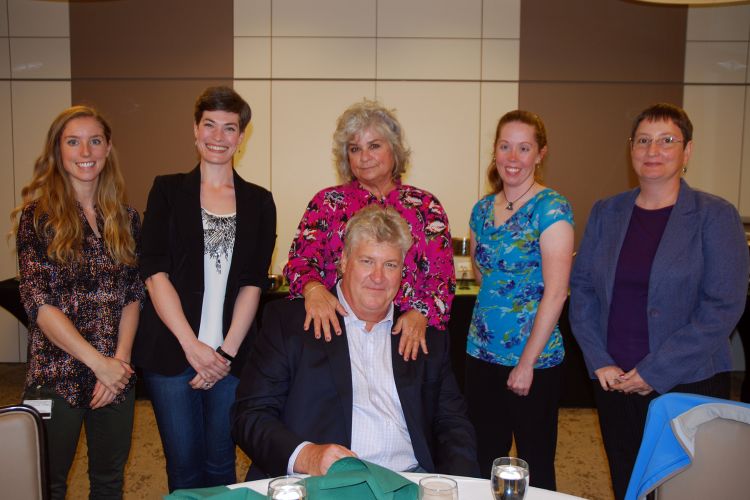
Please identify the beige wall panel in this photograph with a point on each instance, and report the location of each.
(3, 17)
(726, 22)
(497, 99)
(254, 161)
(35, 105)
(441, 123)
(744, 206)
(323, 18)
(302, 123)
(429, 59)
(430, 18)
(500, 59)
(40, 58)
(4, 58)
(501, 18)
(252, 17)
(7, 192)
(715, 62)
(252, 57)
(38, 18)
(9, 339)
(717, 116)
(323, 57)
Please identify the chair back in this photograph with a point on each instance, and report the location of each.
(23, 470)
(719, 466)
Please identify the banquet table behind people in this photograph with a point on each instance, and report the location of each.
(371, 156)
(208, 237)
(658, 285)
(77, 256)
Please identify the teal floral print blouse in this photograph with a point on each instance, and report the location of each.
(510, 260)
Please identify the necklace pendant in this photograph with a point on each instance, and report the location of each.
(509, 206)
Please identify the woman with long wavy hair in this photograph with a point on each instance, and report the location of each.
(76, 243)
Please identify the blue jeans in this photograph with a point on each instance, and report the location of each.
(194, 426)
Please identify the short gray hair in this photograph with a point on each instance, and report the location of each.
(361, 116)
(378, 224)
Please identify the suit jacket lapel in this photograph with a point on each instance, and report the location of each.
(408, 376)
(341, 372)
(242, 207)
(678, 235)
(188, 217)
(613, 236)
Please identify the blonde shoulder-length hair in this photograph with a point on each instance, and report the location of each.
(56, 216)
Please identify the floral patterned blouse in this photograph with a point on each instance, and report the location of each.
(429, 280)
(91, 294)
(510, 260)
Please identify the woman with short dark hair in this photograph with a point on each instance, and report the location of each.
(658, 286)
(208, 237)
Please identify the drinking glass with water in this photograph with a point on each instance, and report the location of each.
(438, 488)
(287, 488)
(510, 478)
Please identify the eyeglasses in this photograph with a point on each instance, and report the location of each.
(663, 142)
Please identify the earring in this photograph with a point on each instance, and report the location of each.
(684, 170)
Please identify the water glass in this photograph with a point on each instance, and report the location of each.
(510, 478)
(438, 488)
(287, 488)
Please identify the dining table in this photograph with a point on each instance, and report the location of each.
(469, 488)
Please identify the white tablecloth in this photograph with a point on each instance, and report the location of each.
(469, 488)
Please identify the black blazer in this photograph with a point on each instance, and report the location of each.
(296, 388)
(172, 242)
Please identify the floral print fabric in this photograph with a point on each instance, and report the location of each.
(429, 281)
(510, 260)
(91, 293)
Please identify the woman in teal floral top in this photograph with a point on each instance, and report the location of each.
(522, 248)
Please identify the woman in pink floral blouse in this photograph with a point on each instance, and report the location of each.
(371, 155)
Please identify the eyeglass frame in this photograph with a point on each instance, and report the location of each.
(662, 142)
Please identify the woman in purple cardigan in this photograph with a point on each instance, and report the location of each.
(658, 286)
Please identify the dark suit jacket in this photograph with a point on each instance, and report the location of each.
(172, 242)
(295, 388)
(696, 290)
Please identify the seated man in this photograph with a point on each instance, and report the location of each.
(304, 403)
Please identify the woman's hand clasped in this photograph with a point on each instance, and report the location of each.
(412, 326)
(113, 374)
(609, 377)
(320, 308)
(208, 364)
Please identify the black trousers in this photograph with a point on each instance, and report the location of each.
(108, 433)
(499, 414)
(622, 418)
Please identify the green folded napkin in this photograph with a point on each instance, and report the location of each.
(215, 493)
(351, 478)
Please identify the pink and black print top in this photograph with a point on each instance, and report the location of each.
(428, 283)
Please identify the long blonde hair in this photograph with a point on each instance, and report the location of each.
(56, 216)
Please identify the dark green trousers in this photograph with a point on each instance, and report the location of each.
(108, 433)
